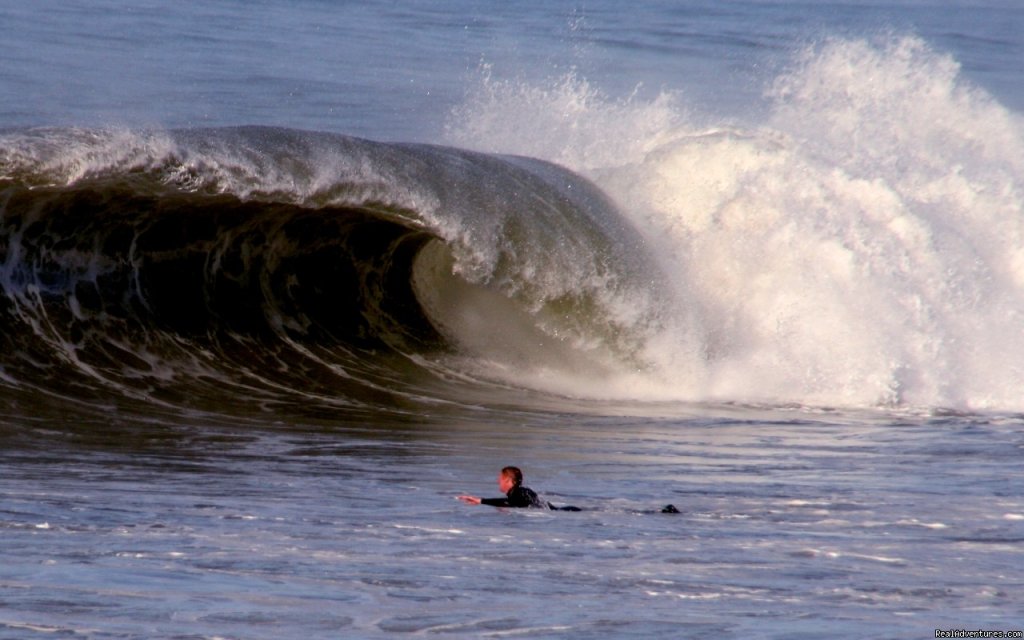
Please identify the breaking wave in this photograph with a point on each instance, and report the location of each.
(862, 245)
(264, 265)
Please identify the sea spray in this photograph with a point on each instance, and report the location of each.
(859, 246)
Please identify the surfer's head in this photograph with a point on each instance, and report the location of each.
(510, 478)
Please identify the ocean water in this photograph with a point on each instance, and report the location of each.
(282, 279)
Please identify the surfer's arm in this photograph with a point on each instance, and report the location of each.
(493, 502)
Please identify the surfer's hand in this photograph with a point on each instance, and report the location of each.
(470, 499)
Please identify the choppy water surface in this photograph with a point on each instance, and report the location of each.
(790, 526)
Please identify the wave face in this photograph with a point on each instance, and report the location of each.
(256, 266)
(860, 242)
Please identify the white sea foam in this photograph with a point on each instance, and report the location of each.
(862, 245)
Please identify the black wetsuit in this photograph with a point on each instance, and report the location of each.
(517, 497)
(523, 497)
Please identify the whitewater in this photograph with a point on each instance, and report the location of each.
(862, 246)
(282, 286)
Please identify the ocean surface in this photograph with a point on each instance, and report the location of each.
(280, 280)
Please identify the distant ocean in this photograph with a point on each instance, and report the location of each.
(282, 279)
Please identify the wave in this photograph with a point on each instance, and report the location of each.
(860, 245)
(258, 265)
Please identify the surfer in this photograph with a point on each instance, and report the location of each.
(510, 481)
